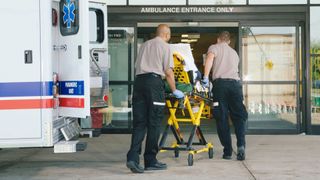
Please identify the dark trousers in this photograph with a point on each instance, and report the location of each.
(228, 93)
(148, 106)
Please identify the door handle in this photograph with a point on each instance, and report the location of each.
(94, 59)
(79, 52)
(61, 47)
(28, 57)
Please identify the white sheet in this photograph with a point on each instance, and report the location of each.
(185, 51)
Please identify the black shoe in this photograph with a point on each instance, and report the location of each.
(157, 166)
(134, 167)
(241, 155)
(227, 157)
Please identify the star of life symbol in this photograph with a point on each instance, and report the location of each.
(69, 16)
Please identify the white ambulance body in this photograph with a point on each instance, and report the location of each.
(45, 67)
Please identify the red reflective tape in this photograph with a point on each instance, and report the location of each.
(71, 102)
(26, 104)
(47, 103)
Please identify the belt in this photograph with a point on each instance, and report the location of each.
(149, 74)
(225, 79)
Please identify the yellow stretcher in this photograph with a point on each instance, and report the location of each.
(193, 100)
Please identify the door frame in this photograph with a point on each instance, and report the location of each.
(128, 83)
(298, 81)
(130, 16)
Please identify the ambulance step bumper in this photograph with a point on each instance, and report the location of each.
(69, 146)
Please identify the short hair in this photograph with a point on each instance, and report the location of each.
(163, 29)
(224, 36)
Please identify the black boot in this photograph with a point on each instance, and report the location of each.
(134, 167)
(241, 155)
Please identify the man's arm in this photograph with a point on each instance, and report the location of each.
(170, 79)
(208, 65)
(172, 84)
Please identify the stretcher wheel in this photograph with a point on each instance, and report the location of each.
(210, 152)
(176, 153)
(190, 159)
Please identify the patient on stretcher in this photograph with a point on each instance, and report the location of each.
(186, 73)
(184, 51)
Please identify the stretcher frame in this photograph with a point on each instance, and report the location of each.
(194, 118)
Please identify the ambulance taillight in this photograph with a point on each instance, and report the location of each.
(105, 98)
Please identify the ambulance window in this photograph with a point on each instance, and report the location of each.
(96, 26)
(69, 17)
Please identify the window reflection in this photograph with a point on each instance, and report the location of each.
(96, 27)
(120, 49)
(121, 53)
(271, 106)
(315, 26)
(315, 64)
(116, 115)
(269, 53)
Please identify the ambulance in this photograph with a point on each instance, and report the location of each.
(54, 69)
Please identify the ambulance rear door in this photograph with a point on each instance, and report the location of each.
(99, 63)
(73, 65)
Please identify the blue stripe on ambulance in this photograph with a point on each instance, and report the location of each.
(18, 89)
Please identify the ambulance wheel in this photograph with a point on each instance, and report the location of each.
(210, 153)
(176, 153)
(190, 159)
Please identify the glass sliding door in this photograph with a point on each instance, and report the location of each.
(315, 68)
(270, 74)
(121, 51)
(315, 89)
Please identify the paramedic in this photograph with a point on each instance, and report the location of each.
(154, 62)
(227, 91)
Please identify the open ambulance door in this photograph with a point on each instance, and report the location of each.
(99, 62)
(73, 66)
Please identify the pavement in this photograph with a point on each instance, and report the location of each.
(268, 157)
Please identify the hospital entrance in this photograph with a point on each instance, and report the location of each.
(269, 70)
(191, 43)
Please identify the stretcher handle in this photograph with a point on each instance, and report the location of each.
(171, 96)
(209, 100)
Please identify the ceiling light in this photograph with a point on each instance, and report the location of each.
(193, 23)
(194, 36)
(185, 40)
(189, 40)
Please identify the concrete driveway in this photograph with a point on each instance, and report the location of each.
(268, 157)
